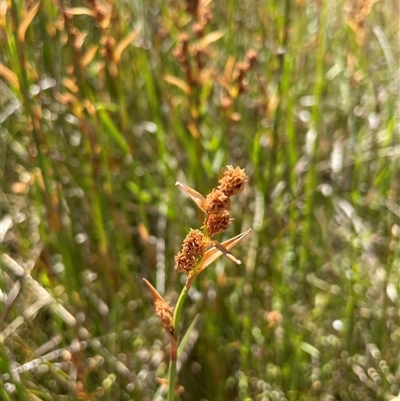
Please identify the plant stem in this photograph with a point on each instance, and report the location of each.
(171, 380)
(172, 362)
(178, 311)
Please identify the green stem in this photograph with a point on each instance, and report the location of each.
(171, 380)
(172, 362)
(178, 311)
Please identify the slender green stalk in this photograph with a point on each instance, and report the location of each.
(173, 358)
(311, 179)
(171, 380)
(178, 310)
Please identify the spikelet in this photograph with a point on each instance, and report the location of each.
(217, 223)
(193, 248)
(233, 181)
(217, 201)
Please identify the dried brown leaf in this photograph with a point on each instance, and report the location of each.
(225, 252)
(197, 197)
(123, 44)
(10, 76)
(214, 253)
(178, 82)
(80, 11)
(230, 64)
(30, 15)
(225, 84)
(70, 84)
(210, 38)
(193, 130)
(89, 55)
(3, 12)
(154, 293)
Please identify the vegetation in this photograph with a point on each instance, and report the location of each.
(105, 105)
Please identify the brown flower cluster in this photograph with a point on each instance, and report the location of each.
(218, 204)
(166, 314)
(217, 207)
(193, 248)
(217, 201)
(233, 181)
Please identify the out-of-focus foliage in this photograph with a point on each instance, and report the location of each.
(105, 105)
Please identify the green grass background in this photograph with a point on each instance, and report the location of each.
(100, 116)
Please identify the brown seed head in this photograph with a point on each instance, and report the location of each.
(217, 223)
(233, 181)
(194, 244)
(184, 264)
(217, 201)
(193, 248)
(166, 314)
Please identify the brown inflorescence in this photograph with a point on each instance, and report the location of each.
(166, 314)
(233, 181)
(217, 206)
(193, 248)
(217, 223)
(217, 201)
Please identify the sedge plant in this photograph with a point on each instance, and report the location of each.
(199, 250)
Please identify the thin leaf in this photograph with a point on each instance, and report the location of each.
(26, 21)
(177, 82)
(123, 44)
(228, 244)
(213, 254)
(310, 349)
(229, 68)
(114, 131)
(193, 130)
(9, 76)
(154, 293)
(80, 11)
(89, 55)
(210, 38)
(186, 337)
(226, 253)
(197, 197)
(70, 84)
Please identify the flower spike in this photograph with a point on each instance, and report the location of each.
(163, 310)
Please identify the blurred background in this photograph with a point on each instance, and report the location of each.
(105, 105)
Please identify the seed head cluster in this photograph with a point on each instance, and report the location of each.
(233, 181)
(217, 206)
(218, 203)
(165, 313)
(217, 223)
(193, 248)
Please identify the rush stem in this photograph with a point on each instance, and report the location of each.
(174, 356)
